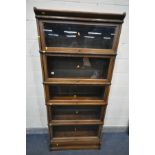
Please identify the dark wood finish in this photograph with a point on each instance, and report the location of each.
(77, 80)
(46, 49)
(75, 102)
(75, 143)
(44, 13)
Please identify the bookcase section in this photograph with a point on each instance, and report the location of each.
(77, 51)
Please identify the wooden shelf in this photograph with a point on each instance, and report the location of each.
(76, 81)
(75, 122)
(76, 102)
(76, 140)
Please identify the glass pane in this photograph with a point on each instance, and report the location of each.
(74, 131)
(76, 92)
(77, 67)
(76, 112)
(79, 36)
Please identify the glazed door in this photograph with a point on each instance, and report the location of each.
(76, 68)
(76, 36)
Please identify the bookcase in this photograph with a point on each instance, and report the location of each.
(77, 55)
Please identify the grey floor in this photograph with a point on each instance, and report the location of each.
(112, 144)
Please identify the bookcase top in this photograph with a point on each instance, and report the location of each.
(78, 15)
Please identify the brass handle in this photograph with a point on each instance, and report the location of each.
(46, 48)
(79, 51)
(74, 96)
(78, 33)
(52, 73)
(78, 66)
(57, 144)
(43, 51)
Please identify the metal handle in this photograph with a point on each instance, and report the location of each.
(74, 96)
(78, 66)
(76, 112)
(78, 33)
(52, 73)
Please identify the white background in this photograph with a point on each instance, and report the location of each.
(118, 109)
(13, 77)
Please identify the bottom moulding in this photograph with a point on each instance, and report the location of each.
(75, 143)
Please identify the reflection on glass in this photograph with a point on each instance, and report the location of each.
(70, 32)
(112, 34)
(71, 36)
(55, 35)
(95, 33)
(47, 30)
(77, 67)
(106, 37)
(79, 36)
(89, 37)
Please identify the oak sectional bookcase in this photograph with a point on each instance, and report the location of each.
(77, 52)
